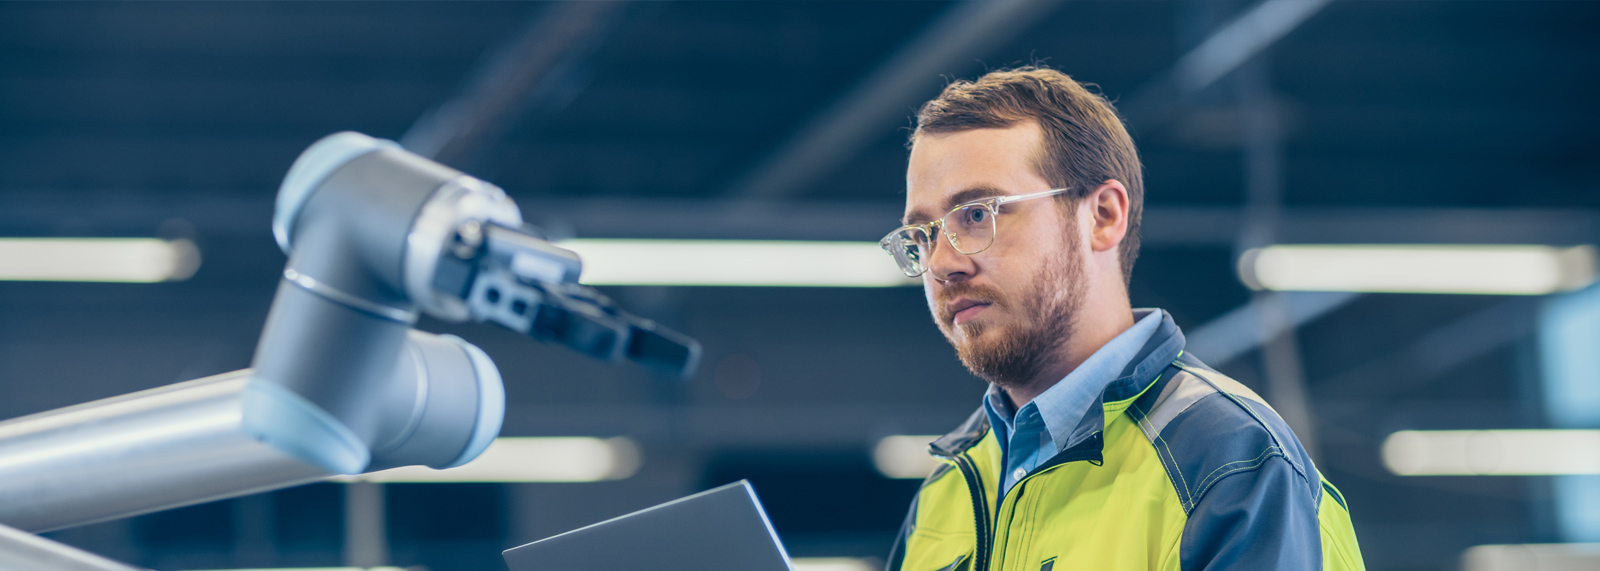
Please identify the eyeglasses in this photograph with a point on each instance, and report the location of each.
(970, 228)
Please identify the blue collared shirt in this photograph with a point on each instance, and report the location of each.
(1032, 435)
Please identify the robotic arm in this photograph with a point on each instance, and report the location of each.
(515, 279)
(340, 382)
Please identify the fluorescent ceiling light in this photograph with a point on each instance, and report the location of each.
(1531, 556)
(904, 456)
(800, 564)
(1394, 268)
(736, 263)
(835, 564)
(140, 260)
(517, 459)
(317, 569)
(1492, 452)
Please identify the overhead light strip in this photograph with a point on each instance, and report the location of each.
(836, 564)
(800, 564)
(770, 263)
(128, 260)
(904, 456)
(317, 569)
(1492, 452)
(1396, 268)
(527, 459)
(1526, 556)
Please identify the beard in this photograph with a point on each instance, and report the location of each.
(1045, 315)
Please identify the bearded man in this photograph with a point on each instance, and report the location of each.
(1100, 443)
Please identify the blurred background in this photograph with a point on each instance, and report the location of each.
(1260, 122)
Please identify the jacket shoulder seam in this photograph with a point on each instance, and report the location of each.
(1259, 422)
(1248, 466)
(1203, 486)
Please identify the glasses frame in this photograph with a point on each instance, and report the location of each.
(992, 204)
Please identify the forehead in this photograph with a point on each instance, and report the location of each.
(945, 167)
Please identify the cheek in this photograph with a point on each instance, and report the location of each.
(1032, 238)
(1006, 269)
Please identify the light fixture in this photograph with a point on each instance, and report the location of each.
(1526, 556)
(835, 564)
(1396, 268)
(138, 260)
(800, 564)
(315, 569)
(1492, 452)
(524, 459)
(775, 263)
(904, 456)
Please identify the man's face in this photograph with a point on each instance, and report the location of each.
(1007, 308)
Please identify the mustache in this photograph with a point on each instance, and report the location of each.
(950, 292)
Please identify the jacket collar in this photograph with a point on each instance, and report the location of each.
(1138, 376)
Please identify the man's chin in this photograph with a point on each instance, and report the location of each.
(983, 357)
(973, 339)
(965, 334)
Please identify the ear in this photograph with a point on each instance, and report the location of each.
(1106, 208)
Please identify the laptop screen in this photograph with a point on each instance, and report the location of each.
(721, 528)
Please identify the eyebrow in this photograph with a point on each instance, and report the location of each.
(961, 197)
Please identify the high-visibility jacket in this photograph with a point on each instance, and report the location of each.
(1174, 467)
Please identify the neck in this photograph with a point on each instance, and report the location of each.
(1097, 325)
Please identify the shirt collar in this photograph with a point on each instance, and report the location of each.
(1063, 405)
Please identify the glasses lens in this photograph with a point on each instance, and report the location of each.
(909, 247)
(971, 228)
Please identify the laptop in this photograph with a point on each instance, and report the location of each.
(721, 528)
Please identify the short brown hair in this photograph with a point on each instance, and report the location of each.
(1085, 143)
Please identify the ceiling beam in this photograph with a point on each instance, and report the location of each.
(139, 213)
(537, 72)
(882, 98)
(1437, 351)
(830, 138)
(1160, 101)
(1162, 226)
(1238, 331)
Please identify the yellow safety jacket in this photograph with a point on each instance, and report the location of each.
(1174, 467)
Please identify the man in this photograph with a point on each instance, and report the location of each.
(1100, 444)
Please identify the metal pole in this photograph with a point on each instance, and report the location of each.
(1263, 165)
(253, 523)
(366, 535)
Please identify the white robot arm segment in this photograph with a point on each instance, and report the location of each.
(340, 382)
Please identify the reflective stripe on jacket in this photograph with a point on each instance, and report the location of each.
(1175, 467)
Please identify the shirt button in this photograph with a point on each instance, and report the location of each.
(1018, 474)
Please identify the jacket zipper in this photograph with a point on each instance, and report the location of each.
(984, 524)
(1089, 450)
(980, 507)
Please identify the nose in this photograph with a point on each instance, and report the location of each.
(946, 264)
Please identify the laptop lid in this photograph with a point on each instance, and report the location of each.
(721, 528)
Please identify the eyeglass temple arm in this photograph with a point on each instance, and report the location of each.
(1043, 193)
